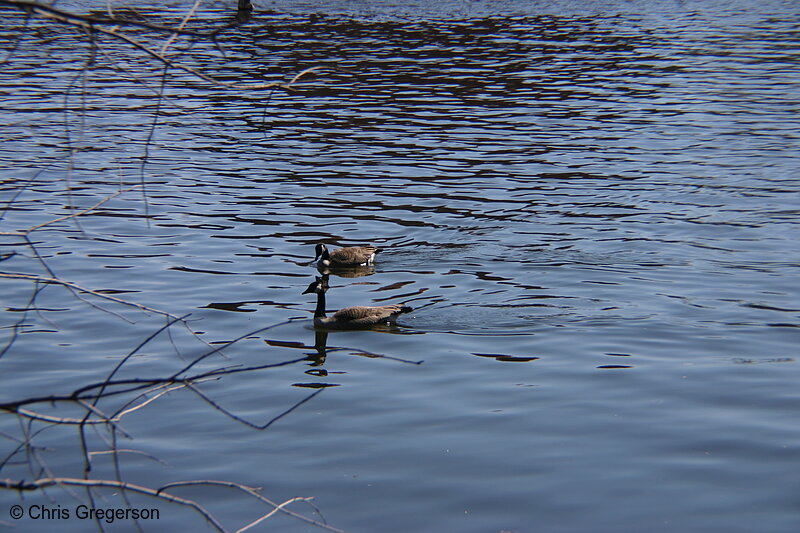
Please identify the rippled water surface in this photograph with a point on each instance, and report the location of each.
(593, 209)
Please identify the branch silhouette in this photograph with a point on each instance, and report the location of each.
(98, 409)
(94, 26)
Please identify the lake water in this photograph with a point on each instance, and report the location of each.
(592, 207)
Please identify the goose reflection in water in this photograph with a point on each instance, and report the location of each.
(346, 272)
(317, 357)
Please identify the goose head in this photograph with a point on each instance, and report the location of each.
(319, 285)
(321, 251)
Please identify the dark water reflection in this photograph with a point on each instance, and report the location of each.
(592, 209)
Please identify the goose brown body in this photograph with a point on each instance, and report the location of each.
(356, 317)
(345, 257)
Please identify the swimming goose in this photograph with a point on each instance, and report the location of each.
(351, 317)
(345, 257)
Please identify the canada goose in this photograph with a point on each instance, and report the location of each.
(351, 317)
(345, 257)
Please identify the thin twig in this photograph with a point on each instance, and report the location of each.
(139, 347)
(125, 450)
(237, 418)
(180, 27)
(136, 384)
(256, 494)
(56, 281)
(74, 18)
(60, 17)
(28, 231)
(374, 355)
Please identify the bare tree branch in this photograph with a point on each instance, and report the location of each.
(92, 25)
(95, 410)
(56, 281)
(68, 17)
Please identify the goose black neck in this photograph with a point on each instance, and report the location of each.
(320, 310)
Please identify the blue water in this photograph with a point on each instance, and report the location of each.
(592, 208)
